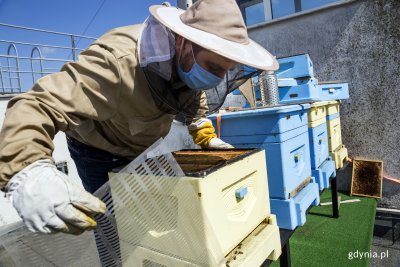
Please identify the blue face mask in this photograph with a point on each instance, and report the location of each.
(198, 78)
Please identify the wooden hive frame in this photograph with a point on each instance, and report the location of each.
(366, 178)
(199, 162)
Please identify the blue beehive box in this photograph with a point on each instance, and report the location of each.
(283, 132)
(322, 166)
(304, 91)
(310, 91)
(299, 66)
(292, 91)
(297, 84)
(324, 173)
(333, 91)
(318, 145)
(291, 213)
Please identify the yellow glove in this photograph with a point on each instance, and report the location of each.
(203, 134)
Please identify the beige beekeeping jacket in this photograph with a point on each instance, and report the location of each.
(102, 100)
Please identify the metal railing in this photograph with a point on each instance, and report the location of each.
(26, 61)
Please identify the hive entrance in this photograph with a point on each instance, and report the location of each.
(195, 161)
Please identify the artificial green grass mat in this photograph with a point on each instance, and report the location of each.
(325, 241)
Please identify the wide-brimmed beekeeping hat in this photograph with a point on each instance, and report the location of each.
(216, 25)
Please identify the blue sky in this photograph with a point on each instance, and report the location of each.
(73, 16)
(68, 16)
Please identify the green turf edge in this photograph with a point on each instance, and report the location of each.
(325, 241)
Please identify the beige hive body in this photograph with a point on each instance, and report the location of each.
(317, 114)
(337, 149)
(340, 156)
(332, 107)
(207, 224)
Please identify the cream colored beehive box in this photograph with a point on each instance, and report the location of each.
(263, 243)
(340, 156)
(317, 114)
(332, 107)
(334, 125)
(334, 134)
(218, 214)
(337, 150)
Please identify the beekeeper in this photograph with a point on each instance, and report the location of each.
(116, 100)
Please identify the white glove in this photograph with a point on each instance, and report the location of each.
(216, 143)
(48, 201)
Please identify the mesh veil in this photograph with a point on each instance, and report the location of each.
(157, 60)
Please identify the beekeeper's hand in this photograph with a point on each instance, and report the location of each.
(203, 134)
(216, 143)
(48, 201)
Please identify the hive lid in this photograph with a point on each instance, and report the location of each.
(263, 111)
